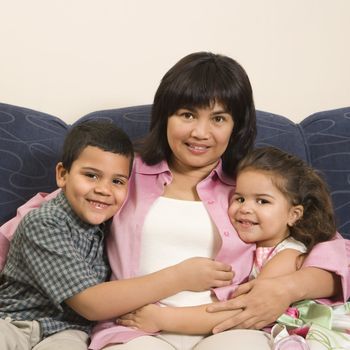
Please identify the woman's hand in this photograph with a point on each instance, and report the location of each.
(147, 318)
(262, 301)
(199, 274)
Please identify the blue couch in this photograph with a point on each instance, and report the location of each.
(30, 143)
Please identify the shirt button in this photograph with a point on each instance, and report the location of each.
(226, 233)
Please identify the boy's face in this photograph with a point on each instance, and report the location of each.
(96, 185)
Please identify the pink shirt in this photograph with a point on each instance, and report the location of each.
(145, 186)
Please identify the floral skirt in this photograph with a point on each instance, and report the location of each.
(317, 323)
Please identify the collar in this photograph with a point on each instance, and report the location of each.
(162, 167)
(62, 202)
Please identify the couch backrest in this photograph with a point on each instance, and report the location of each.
(30, 143)
(327, 135)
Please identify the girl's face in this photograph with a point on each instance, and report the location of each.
(198, 137)
(259, 211)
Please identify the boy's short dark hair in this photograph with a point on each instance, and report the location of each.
(102, 134)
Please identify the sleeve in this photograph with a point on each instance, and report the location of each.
(291, 243)
(56, 267)
(333, 256)
(8, 229)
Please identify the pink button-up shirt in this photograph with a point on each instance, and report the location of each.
(145, 186)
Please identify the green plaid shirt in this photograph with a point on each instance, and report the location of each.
(53, 256)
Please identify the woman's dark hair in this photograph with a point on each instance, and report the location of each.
(197, 81)
(102, 134)
(301, 185)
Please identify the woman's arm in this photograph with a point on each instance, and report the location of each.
(264, 299)
(325, 274)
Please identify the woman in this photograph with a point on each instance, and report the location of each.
(203, 123)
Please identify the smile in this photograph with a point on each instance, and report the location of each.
(98, 205)
(197, 148)
(246, 223)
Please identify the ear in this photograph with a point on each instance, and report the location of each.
(61, 175)
(295, 214)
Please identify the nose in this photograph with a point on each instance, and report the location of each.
(245, 208)
(103, 188)
(201, 129)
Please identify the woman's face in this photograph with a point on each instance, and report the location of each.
(198, 137)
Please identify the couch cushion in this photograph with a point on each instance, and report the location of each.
(133, 120)
(276, 130)
(328, 137)
(30, 143)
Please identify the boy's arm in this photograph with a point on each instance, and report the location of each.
(115, 298)
(56, 269)
(185, 320)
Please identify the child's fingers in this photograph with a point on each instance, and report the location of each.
(126, 323)
(126, 317)
(225, 276)
(222, 266)
(222, 279)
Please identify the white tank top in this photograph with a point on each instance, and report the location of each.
(175, 230)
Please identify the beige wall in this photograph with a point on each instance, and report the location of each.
(71, 57)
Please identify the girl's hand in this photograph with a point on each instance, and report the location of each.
(199, 274)
(147, 318)
(262, 301)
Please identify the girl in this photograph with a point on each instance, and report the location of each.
(284, 206)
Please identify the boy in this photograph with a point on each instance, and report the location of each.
(58, 249)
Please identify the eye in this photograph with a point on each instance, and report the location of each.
(92, 176)
(119, 182)
(239, 199)
(187, 115)
(262, 201)
(219, 119)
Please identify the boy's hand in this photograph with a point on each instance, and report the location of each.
(199, 274)
(147, 318)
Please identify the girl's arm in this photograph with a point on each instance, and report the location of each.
(114, 298)
(184, 320)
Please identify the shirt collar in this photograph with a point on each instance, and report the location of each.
(62, 201)
(163, 167)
